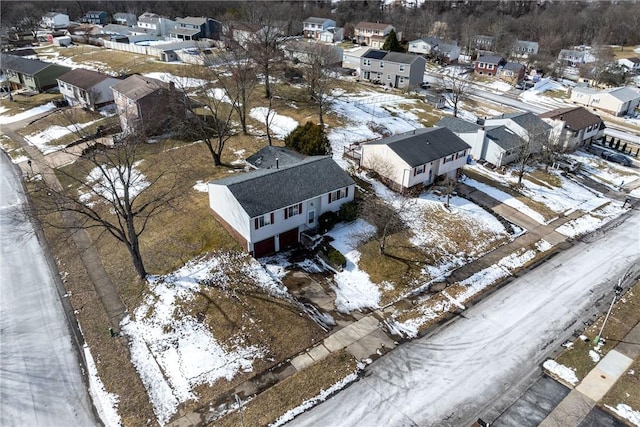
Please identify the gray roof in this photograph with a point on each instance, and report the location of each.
(490, 59)
(528, 121)
(114, 29)
(25, 65)
(433, 41)
(402, 58)
(266, 190)
(526, 44)
(458, 125)
(513, 66)
(571, 52)
(84, 79)
(504, 138)
(185, 31)
(266, 157)
(624, 94)
(137, 87)
(424, 145)
(315, 20)
(446, 47)
(54, 14)
(192, 20)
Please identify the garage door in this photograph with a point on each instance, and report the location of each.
(288, 239)
(264, 247)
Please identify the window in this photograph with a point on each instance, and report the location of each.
(401, 68)
(366, 62)
(263, 221)
(381, 64)
(293, 210)
(420, 169)
(448, 159)
(388, 76)
(490, 66)
(338, 194)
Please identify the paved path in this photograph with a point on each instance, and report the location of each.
(582, 399)
(86, 251)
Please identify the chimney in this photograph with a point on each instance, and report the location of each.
(277, 163)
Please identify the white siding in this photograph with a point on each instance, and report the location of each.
(225, 204)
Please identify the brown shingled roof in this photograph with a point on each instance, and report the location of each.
(84, 79)
(576, 118)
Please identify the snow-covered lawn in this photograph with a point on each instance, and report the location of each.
(280, 125)
(42, 139)
(6, 119)
(610, 174)
(105, 182)
(173, 351)
(591, 221)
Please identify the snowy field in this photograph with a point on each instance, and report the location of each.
(7, 119)
(280, 126)
(42, 139)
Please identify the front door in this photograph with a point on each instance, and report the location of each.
(311, 219)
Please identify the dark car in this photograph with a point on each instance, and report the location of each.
(618, 158)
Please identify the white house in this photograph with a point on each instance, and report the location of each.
(416, 157)
(87, 88)
(423, 46)
(351, 57)
(331, 35)
(126, 19)
(525, 48)
(574, 126)
(153, 24)
(267, 209)
(500, 140)
(617, 101)
(312, 26)
(54, 20)
(574, 57)
(631, 64)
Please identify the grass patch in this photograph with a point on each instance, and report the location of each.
(8, 144)
(544, 179)
(624, 316)
(626, 390)
(557, 94)
(538, 207)
(23, 103)
(292, 392)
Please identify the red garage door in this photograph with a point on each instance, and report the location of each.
(288, 239)
(264, 247)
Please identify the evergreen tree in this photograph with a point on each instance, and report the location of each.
(308, 139)
(391, 43)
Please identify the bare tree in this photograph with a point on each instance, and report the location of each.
(532, 144)
(551, 148)
(448, 188)
(115, 197)
(209, 113)
(317, 61)
(457, 87)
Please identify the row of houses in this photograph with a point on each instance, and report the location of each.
(272, 206)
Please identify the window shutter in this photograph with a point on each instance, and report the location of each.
(272, 218)
(329, 197)
(346, 192)
(300, 209)
(256, 223)
(286, 213)
(414, 171)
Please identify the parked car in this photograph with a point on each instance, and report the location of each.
(567, 165)
(596, 150)
(425, 85)
(618, 158)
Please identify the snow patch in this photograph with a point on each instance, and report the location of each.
(201, 186)
(280, 126)
(106, 403)
(627, 412)
(563, 372)
(26, 114)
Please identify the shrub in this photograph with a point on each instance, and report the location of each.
(309, 139)
(349, 211)
(335, 256)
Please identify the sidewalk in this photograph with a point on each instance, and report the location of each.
(584, 397)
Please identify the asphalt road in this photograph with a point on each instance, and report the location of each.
(40, 375)
(468, 367)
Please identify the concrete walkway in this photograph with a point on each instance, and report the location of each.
(583, 398)
(102, 283)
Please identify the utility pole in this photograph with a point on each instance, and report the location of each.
(618, 291)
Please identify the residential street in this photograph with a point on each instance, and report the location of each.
(40, 378)
(494, 349)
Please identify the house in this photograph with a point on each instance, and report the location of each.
(153, 24)
(501, 139)
(630, 64)
(484, 43)
(574, 58)
(304, 52)
(195, 28)
(96, 17)
(351, 57)
(448, 52)
(574, 126)
(416, 157)
(512, 72)
(393, 69)
(618, 101)
(423, 46)
(243, 33)
(488, 65)
(87, 88)
(267, 209)
(331, 35)
(143, 102)
(312, 27)
(31, 74)
(525, 49)
(368, 32)
(126, 19)
(54, 20)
